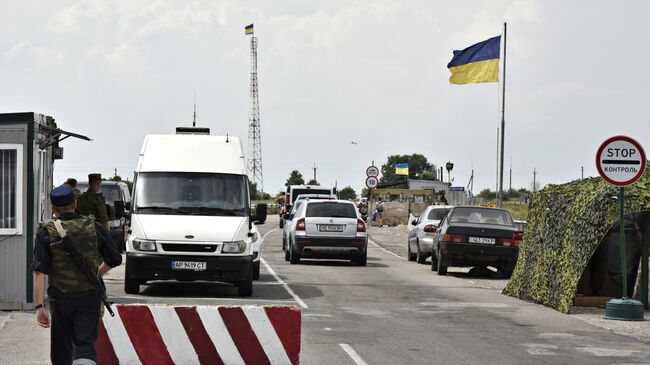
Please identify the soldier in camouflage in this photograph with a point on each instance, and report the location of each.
(92, 202)
(74, 303)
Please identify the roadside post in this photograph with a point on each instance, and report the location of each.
(621, 161)
(644, 258)
(372, 181)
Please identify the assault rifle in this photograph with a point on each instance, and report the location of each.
(82, 264)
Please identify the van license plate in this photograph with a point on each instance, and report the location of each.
(188, 265)
(331, 228)
(483, 240)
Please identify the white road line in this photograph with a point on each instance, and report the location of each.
(385, 250)
(284, 285)
(218, 332)
(353, 354)
(173, 334)
(266, 335)
(120, 339)
(267, 233)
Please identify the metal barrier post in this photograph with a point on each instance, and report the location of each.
(644, 258)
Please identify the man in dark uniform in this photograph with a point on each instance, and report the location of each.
(74, 302)
(92, 202)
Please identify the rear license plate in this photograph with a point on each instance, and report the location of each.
(483, 240)
(331, 228)
(188, 265)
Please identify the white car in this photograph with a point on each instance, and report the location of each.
(420, 238)
(330, 229)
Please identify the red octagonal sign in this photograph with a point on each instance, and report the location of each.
(621, 160)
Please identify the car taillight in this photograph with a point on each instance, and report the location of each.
(508, 242)
(515, 241)
(457, 238)
(300, 225)
(430, 228)
(361, 226)
(518, 238)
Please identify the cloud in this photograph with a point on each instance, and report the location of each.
(25, 54)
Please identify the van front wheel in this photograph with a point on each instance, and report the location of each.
(256, 270)
(131, 286)
(245, 287)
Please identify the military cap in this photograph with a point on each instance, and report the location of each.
(94, 177)
(62, 196)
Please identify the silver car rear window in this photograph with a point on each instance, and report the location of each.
(332, 210)
(437, 214)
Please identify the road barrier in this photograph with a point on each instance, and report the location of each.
(156, 334)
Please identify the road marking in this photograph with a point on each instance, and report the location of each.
(598, 351)
(267, 233)
(284, 285)
(353, 354)
(385, 250)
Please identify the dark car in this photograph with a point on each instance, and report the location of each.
(476, 236)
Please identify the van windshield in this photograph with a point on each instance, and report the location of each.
(191, 193)
(111, 192)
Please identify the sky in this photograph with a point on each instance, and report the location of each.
(330, 73)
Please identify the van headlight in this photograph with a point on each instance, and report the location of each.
(144, 245)
(233, 247)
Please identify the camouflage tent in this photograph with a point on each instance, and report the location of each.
(566, 223)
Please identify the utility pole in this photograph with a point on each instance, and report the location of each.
(510, 187)
(534, 180)
(115, 173)
(582, 172)
(194, 115)
(496, 189)
(315, 171)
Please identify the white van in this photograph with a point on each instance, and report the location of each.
(191, 216)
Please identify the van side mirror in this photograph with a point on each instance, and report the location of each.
(260, 213)
(127, 205)
(414, 222)
(119, 209)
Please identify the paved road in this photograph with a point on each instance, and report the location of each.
(397, 312)
(390, 312)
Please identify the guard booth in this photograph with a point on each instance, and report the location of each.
(29, 145)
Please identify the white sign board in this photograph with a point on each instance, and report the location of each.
(372, 171)
(372, 182)
(621, 161)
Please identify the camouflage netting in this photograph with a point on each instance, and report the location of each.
(566, 223)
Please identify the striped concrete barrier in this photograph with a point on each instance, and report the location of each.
(156, 334)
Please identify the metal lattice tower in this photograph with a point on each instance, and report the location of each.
(254, 136)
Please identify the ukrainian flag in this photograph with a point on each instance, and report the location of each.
(477, 63)
(402, 168)
(248, 29)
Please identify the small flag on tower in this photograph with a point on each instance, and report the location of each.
(249, 29)
(477, 63)
(402, 168)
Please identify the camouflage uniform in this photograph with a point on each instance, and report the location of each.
(91, 203)
(74, 302)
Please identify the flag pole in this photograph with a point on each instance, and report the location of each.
(503, 113)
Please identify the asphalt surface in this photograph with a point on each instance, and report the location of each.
(390, 312)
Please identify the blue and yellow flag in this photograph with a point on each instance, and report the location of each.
(248, 29)
(402, 168)
(477, 63)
